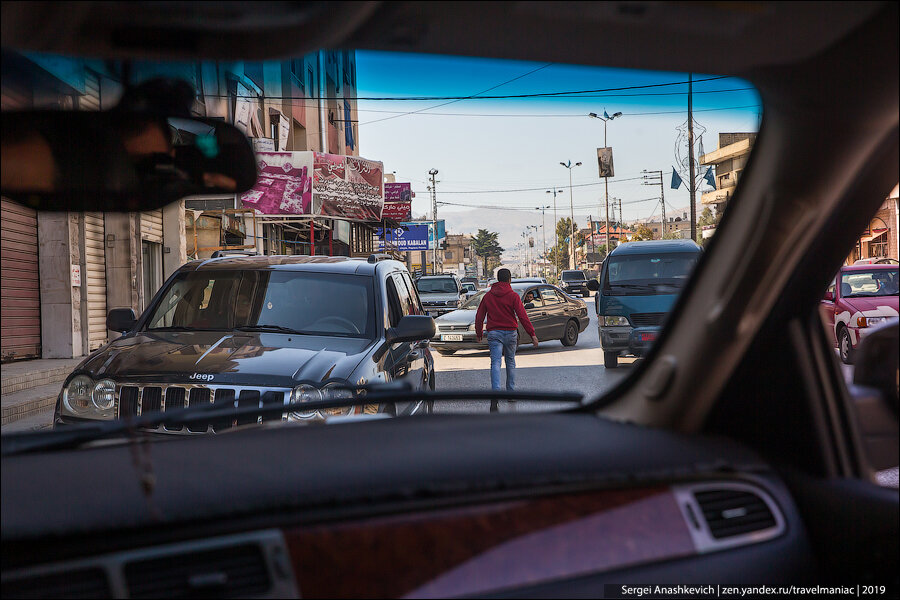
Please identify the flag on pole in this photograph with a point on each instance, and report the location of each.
(605, 114)
(710, 178)
(676, 180)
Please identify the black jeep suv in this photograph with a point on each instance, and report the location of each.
(258, 330)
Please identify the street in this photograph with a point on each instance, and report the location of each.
(550, 368)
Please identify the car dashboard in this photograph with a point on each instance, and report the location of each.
(438, 506)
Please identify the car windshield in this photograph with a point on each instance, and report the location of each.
(650, 270)
(303, 303)
(573, 276)
(473, 302)
(881, 282)
(442, 285)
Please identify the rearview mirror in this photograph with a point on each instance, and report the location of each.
(878, 363)
(120, 319)
(593, 285)
(119, 160)
(829, 296)
(411, 328)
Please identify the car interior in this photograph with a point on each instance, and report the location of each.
(734, 454)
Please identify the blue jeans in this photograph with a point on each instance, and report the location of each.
(503, 343)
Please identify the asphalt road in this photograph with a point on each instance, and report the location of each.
(551, 367)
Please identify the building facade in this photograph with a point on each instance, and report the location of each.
(63, 271)
(729, 161)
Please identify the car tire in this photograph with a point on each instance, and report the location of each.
(845, 346)
(610, 360)
(446, 352)
(570, 336)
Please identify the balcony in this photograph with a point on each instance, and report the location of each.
(717, 196)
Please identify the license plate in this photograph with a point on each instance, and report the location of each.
(648, 337)
(451, 338)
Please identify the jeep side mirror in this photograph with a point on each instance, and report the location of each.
(120, 319)
(593, 285)
(829, 296)
(411, 328)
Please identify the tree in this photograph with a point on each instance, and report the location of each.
(488, 248)
(642, 233)
(560, 256)
(707, 217)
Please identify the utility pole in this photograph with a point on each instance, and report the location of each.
(543, 229)
(555, 233)
(692, 182)
(570, 166)
(656, 178)
(434, 172)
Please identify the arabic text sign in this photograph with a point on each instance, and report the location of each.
(348, 187)
(397, 211)
(397, 192)
(406, 238)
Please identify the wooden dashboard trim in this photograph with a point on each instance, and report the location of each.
(487, 547)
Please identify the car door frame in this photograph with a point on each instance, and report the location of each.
(557, 318)
(827, 310)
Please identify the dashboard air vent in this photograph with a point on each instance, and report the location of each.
(80, 583)
(231, 572)
(730, 512)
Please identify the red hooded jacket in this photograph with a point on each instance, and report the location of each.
(502, 305)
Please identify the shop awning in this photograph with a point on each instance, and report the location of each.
(875, 235)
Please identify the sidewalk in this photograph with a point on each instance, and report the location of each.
(29, 390)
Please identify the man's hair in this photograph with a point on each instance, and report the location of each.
(504, 275)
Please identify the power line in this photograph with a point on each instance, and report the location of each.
(543, 188)
(579, 115)
(461, 99)
(436, 98)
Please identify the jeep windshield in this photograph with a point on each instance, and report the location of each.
(649, 273)
(266, 301)
(574, 276)
(442, 285)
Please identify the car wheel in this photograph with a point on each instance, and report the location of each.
(845, 346)
(610, 360)
(570, 337)
(446, 352)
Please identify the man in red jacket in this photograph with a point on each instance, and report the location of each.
(502, 305)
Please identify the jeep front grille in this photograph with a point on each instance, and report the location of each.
(142, 399)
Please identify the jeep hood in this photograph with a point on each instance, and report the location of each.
(237, 358)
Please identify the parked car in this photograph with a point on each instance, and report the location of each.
(440, 293)
(861, 296)
(877, 261)
(469, 289)
(472, 280)
(555, 316)
(639, 283)
(529, 280)
(262, 329)
(575, 282)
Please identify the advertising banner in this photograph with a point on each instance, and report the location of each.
(397, 192)
(312, 183)
(284, 185)
(396, 211)
(406, 238)
(348, 186)
(605, 162)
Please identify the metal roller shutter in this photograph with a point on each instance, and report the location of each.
(20, 299)
(95, 276)
(151, 226)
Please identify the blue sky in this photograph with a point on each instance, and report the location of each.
(518, 143)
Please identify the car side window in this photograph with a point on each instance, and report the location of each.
(535, 298)
(550, 296)
(406, 302)
(413, 294)
(394, 310)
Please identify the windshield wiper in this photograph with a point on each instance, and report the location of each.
(178, 328)
(270, 328)
(74, 436)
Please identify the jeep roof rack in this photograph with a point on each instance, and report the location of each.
(224, 253)
(374, 258)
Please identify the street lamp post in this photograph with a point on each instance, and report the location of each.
(434, 172)
(543, 229)
(605, 118)
(554, 191)
(570, 166)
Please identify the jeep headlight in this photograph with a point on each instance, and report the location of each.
(336, 391)
(84, 398)
(615, 321)
(305, 393)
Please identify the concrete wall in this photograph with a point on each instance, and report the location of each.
(123, 252)
(59, 243)
(174, 238)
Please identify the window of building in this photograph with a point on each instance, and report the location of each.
(448, 255)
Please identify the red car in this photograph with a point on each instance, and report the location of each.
(860, 297)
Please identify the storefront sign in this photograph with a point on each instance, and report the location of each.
(397, 192)
(405, 238)
(397, 211)
(76, 275)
